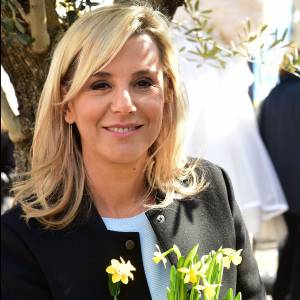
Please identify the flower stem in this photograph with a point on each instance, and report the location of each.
(115, 298)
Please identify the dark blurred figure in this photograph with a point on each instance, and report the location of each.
(7, 164)
(279, 122)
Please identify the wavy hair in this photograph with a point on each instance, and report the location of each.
(54, 191)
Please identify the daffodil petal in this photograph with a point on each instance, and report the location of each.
(124, 279)
(115, 262)
(200, 287)
(116, 278)
(187, 278)
(226, 262)
(110, 270)
(156, 259)
(236, 260)
(193, 278)
(183, 270)
(209, 292)
(129, 266)
(122, 260)
(197, 265)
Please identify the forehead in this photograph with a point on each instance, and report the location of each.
(139, 52)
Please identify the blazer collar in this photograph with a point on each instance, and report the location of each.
(164, 221)
(89, 216)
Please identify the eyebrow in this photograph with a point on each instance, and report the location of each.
(137, 73)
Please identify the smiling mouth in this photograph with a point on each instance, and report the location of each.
(123, 129)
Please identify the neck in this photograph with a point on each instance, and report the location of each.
(118, 190)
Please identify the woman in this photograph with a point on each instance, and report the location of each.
(105, 160)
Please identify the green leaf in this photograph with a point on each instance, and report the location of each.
(182, 49)
(90, 3)
(12, 9)
(114, 288)
(173, 278)
(219, 276)
(24, 38)
(175, 248)
(193, 40)
(275, 33)
(229, 295)
(238, 296)
(263, 28)
(182, 290)
(248, 26)
(251, 38)
(10, 40)
(189, 5)
(19, 26)
(284, 35)
(275, 43)
(197, 5)
(170, 295)
(209, 30)
(194, 295)
(196, 29)
(71, 16)
(288, 44)
(207, 11)
(212, 269)
(180, 262)
(8, 24)
(191, 255)
(81, 7)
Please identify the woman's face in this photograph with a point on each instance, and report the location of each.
(119, 110)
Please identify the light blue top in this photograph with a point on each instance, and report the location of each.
(157, 276)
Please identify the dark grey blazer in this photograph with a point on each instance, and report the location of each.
(40, 264)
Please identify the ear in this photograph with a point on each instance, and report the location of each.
(69, 113)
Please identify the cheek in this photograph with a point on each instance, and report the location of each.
(88, 112)
(155, 114)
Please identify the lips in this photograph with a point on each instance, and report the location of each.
(123, 128)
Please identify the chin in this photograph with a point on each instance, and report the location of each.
(126, 157)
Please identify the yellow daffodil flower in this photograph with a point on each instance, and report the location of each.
(120, 270)
(209, 290)
(231, 256)
(158, 256)
(192, 273)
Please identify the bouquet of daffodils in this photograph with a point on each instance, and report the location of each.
(193, 278)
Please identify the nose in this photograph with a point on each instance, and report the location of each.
(122, 102)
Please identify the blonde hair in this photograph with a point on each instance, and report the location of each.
(53, 194)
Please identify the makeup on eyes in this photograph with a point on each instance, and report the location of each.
(141, 83)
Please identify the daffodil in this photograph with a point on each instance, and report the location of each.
(120, 270)
(158, 256)
(209, 290)
(192, 273)
(231, 256)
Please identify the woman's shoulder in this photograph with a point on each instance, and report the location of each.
(214, 176)
(13, 216)
(13, 222)
(218, 189)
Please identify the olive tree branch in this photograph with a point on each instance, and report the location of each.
(11, 121)
(38, 26)
(21, 11)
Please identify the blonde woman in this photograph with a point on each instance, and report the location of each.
(108, 178)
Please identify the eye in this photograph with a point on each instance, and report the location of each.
(100, 85)
(144, 83)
